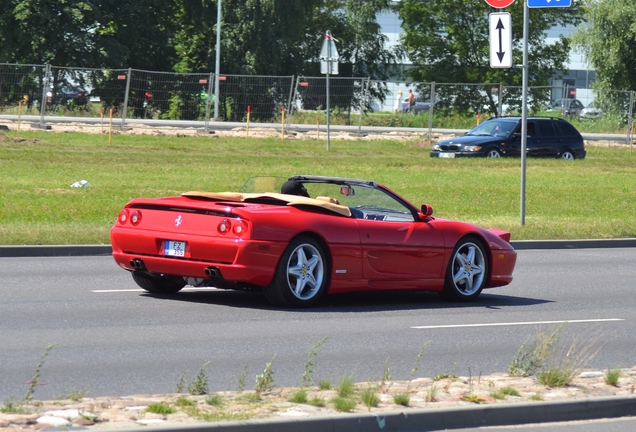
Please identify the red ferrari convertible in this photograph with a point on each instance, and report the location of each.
(315, 235)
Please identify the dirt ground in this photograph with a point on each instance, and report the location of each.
(129, 412)
(421, 138)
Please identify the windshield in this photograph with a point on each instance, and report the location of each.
(493, 128)
(365, 201)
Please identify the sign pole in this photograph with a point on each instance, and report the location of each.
(524, 111)
(328, 73)
(328, 65)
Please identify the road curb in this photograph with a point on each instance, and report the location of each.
(54, 251)
(102, 250)
(433, 419)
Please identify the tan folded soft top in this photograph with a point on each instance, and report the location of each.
(292, 200)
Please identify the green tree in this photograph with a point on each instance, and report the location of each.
(137, 34)
(48, 31)
(609, 41)
(447, 42)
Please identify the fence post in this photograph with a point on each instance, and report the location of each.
(630, 113)
(207, 103)
(125, 107)
(363, 101)
(290, 98)
(293, 94)
(500, 104)
(45, 86)
(431, 110)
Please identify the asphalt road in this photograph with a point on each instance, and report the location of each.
(113, 339)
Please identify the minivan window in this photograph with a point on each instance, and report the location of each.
(566, 129)
(546, 128)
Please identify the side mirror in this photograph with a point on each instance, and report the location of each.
(426, 211)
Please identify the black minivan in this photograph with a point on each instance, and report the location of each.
(547, 137)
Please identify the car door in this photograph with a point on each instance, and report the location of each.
(532, 141)
(396, 251)
(548, 141)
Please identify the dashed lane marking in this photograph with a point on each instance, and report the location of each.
(141, 290)
(515, 323)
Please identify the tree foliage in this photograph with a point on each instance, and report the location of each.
(609, 42)
(447, 42)
(48, 31)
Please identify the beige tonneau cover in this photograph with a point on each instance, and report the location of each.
(292, 200)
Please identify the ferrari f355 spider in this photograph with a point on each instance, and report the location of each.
(324, 235)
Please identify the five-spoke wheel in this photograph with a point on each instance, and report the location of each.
(467, 271)
(567, 155)
(301, 275)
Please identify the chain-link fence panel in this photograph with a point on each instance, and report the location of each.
(346, 95)
(168, 95)
(85, 92)
(21, 87)
(264, 96)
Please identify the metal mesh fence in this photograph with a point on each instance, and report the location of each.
(85, 92)
(21, 85)
(165, 95)
(346, 95)
(264, 96)
(137, 94)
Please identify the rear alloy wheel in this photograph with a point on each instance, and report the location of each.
(158, 284)
(567, 155)
(302, 275)
(467, 271)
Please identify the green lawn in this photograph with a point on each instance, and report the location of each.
(591, 198)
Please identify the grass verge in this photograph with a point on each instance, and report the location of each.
(590, 198)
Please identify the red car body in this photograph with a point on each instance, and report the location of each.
(240, 240)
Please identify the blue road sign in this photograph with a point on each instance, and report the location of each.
(549, 3)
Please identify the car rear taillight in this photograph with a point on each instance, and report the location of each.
(237, 226)
(240, 227)
(135, 217)
(224, 226)
(123, 217)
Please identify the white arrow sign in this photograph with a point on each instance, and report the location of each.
(500, 40)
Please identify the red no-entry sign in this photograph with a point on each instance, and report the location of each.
(500, 4)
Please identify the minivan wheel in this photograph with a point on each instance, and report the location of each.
(567, 155)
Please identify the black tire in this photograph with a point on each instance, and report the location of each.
(467, 271)
(493, 153)
(302, 275)
(158, 284)
(567, 155)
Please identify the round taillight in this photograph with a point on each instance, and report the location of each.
(224, 227)
(239, 228)
(135, 217)
(123, 216)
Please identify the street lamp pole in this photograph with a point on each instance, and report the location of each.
(217, 66)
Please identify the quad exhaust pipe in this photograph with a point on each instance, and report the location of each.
(213, 272)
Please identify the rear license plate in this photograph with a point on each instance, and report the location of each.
(446, 155)
(175, 248)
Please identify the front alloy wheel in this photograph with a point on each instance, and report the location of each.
(493, 153)
(467, 271)
(301, 275)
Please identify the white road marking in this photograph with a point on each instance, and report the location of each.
(141, 290)
(516, 323)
